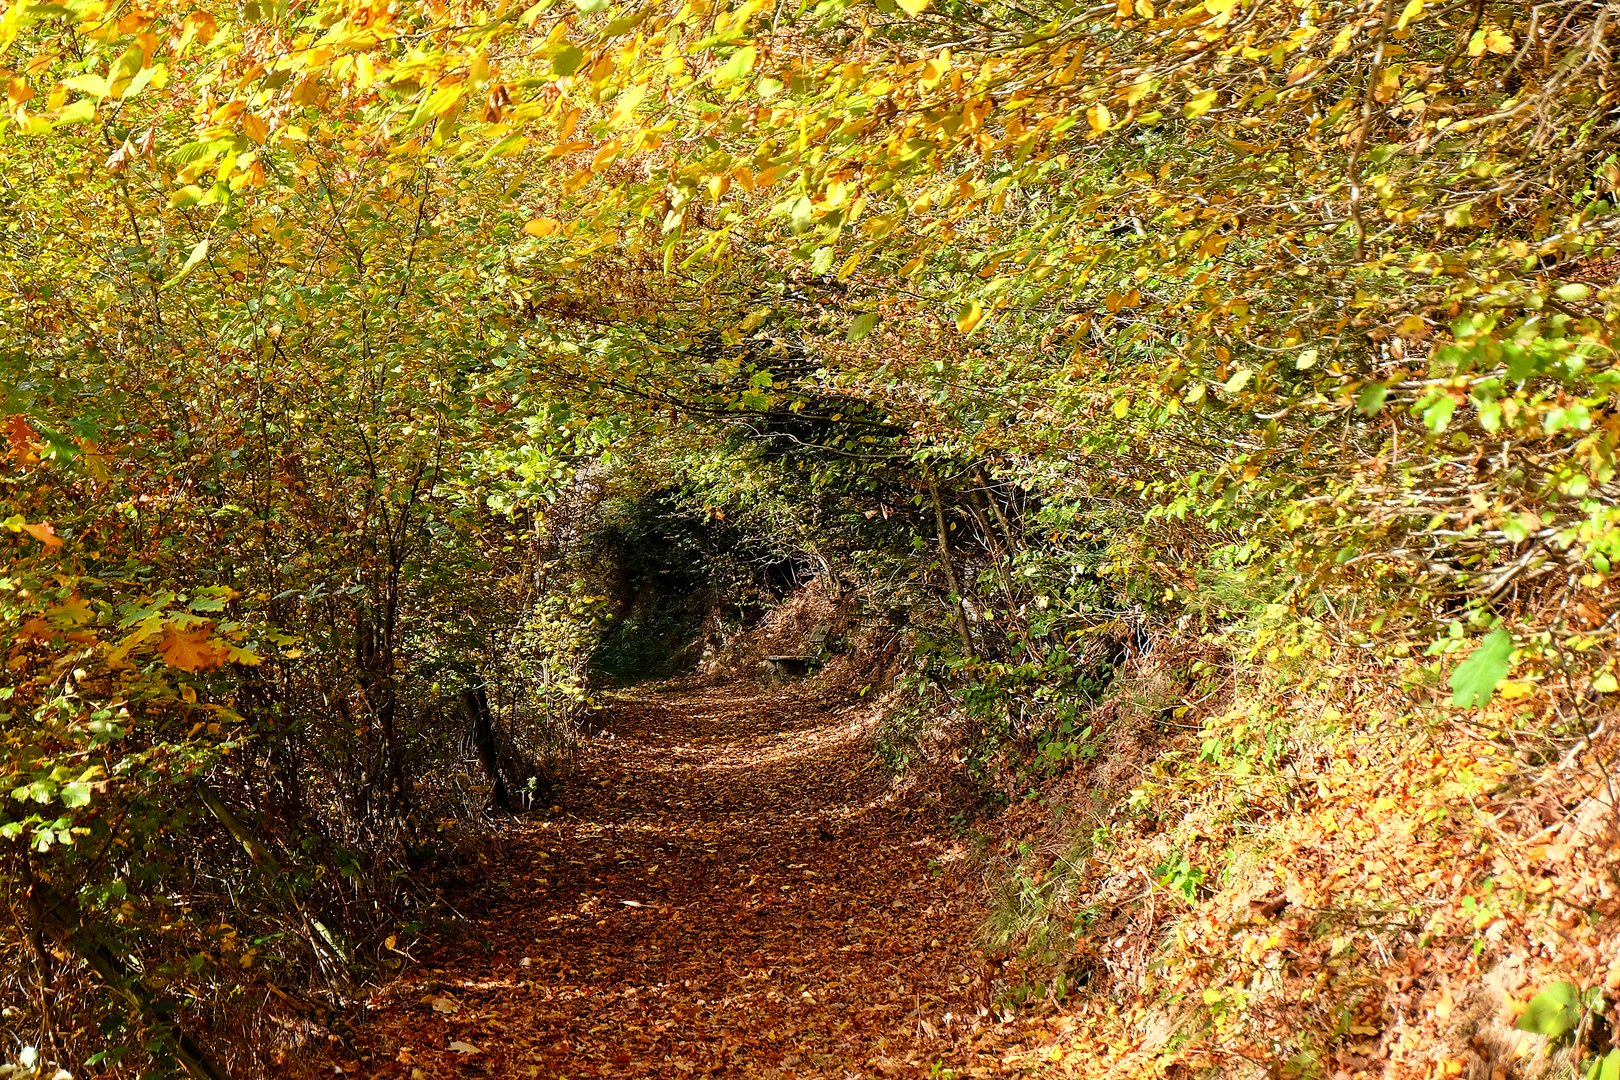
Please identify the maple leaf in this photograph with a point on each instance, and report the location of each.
(42, 532)
(21, 436)
(72, 611)
(191, 650)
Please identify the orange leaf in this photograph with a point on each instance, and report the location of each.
(190, 650)
(43, 533)
(21, 436)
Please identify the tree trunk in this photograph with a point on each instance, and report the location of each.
(962, 628)
(476, 701)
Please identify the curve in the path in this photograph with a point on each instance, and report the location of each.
(724, 891)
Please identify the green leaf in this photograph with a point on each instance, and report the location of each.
(862, 326)
(567, 62)
(1240, 378)
(75, 795)
(737, 66)
(1554, 1012)
(200, 150)
(1476, 677)
(1521, 362)
(1607, 1067)
(1437, 416)
(1371, 398)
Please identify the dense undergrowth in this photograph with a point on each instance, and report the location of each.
(1215, 400)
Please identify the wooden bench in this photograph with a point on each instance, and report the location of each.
(781, 668)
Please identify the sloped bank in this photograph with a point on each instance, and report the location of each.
(1303, 869)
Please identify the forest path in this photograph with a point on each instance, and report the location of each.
(724, 892)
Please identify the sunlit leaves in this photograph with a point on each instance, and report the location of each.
(198, 253)
(568, 60)
(1476, 678)
(1199, 104)
(1489, 39)
(737, 66)
(968, 316)
(861, 326)
(1554, 1012)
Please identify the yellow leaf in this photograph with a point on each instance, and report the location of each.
(238, 655)
(75, 610)
(1099, 118)
(624, 107)
(1199, 104)
(1144, 8)
(912, 7)
(543, 226)
(1341, 40)
(608, 151)
(969, 315)
(199, 25)
(198, 254)
(1498, 42)
(255, 127)
(1412, 10)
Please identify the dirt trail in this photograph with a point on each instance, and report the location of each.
(724, 892)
